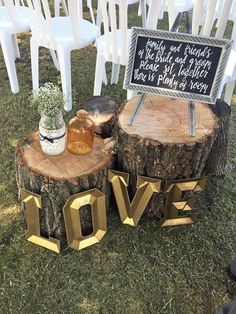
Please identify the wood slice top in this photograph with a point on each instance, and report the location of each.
(65, 166)
(166, 120)
(100, 109)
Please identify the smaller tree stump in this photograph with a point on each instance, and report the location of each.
(103, 111)
(56, 178)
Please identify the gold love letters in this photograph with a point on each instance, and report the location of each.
(178, 209)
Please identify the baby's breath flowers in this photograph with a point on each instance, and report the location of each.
(49, 99)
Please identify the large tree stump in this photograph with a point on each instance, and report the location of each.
(158, 145)
(56, 178)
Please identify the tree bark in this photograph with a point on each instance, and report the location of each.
(217, 160)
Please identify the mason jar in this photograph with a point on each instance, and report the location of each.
(52, 134)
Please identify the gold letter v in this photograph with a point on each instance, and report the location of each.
(131, 213)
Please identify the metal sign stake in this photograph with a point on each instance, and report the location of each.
(191, 104)
(136, 109)
(191, 118)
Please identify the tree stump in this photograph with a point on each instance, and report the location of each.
(103, 111)
(158, 145)
(56, 178)
(217, 160)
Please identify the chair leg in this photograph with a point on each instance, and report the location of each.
(99, 75)
(115, 73)
(34, 51)
(54, 59)
(131, 94)
(64, 59)
(15, 45)
(104, 80)
(9, 57)
(229, 92)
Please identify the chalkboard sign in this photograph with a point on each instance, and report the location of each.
(176, 64)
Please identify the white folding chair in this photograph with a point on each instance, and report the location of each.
(113, 45)
(122, 9)
(61, 34)
(13, 20)
(222, 11)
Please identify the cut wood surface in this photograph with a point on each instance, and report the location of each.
(165, 120)
(158, 145)
(56, 178)
(66, 165)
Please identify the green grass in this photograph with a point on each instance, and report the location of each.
(145, 269)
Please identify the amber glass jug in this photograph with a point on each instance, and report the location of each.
(80, 134)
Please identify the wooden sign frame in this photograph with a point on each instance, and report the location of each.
(195, 40)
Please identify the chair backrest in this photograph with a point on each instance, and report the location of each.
(109, 15)
(233, 11)
(90, 7)
(205, 12)
(41, 20)
(176, 6)
(57, 10)
(163, 7)
(39, 14)
(173, 7)
(155, 11)
(11, 6)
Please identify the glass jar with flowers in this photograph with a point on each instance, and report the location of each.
(52, 132)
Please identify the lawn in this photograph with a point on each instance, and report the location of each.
(147, 269)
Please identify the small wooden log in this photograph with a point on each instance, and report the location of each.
(217, 160)
(158, 145)
(103, 111)
(56, 178)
